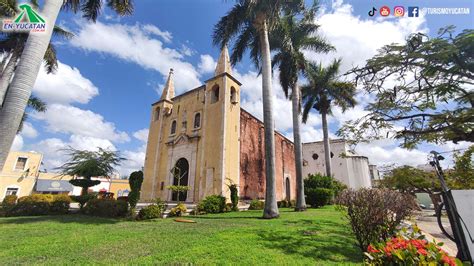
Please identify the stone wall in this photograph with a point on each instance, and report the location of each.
(252, 160)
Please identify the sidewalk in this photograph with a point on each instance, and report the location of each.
(429, 225)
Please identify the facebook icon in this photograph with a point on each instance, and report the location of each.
(413, 11)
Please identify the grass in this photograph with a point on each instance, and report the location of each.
(318, 236)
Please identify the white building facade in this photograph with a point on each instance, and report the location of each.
(347, 166)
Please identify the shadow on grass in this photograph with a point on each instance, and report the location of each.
(69, 218)
(319, 240)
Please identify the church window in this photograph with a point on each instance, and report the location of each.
(315, 156)
(157, 114)
(197, 120)
(173, 127)
(215, 94)
(233, 95)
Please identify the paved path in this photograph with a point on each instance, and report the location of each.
(429, 225)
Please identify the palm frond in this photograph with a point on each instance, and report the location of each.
(50, 59)
(60, 32)
(121, 7)
(242, 44)
(230, 25)
(91, 9)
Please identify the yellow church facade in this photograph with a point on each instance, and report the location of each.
(198, 133)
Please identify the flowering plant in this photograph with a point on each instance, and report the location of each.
(408, 249)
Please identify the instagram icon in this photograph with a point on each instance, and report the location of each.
(399, 11)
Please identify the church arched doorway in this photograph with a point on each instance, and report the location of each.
(180, 178)
(287, 187)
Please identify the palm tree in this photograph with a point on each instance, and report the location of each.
(19, 90)
(12, 45)
(289, 39)
(323, 90)
(249, 23)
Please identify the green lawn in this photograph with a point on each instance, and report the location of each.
(314, 237)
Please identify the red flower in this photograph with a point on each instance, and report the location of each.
(422, 252)
(448, 260)
(371, 249)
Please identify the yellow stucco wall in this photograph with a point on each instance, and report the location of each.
(209, 168)
(23, 179)
(118, 184)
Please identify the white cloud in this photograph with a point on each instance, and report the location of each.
(17, 144)
(357, 39)
(67, 85)
(72, 120)
(165, 35)
(207, 64)
(392, 155)
(28, 130)
(134, 161)
(53, 148)
(136, 44)
(141, 134)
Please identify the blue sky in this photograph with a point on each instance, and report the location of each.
(113, 70)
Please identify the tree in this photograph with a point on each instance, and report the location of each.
(82, 165)
(19, 90)
(421, 91)
(289, 39)
(323, 90)
(407, 179)
(135, 181)
(11, 47)
(462, 175)
(249, 23)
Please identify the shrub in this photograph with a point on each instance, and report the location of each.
(37, 198)
(256, 205)
(7, 204)
(135, 181)
(124, 198)
(9, 201)
(152, 211)
(320, 189)
(106, 208)
(234, 197)
(318, 197)
(83, 199)
(374, 214)
(178, 211)
(286, 203)
(60, 204)
(212, 204)
(412, 249)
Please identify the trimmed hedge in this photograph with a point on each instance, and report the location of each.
(256, 205)
(152, 211)
(212, 204)
(318, 197)
(286, 203)
(178, 211)
(39, 204)
(106, 208)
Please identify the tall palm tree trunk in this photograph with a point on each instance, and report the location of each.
(7, 76)
(295, 100)
(271, 209)
(26, 72)
(327, 148)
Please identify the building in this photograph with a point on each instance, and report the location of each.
(203, 139)
(21, 176)
(347, 166)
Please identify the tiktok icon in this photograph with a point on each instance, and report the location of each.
(372, 12)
